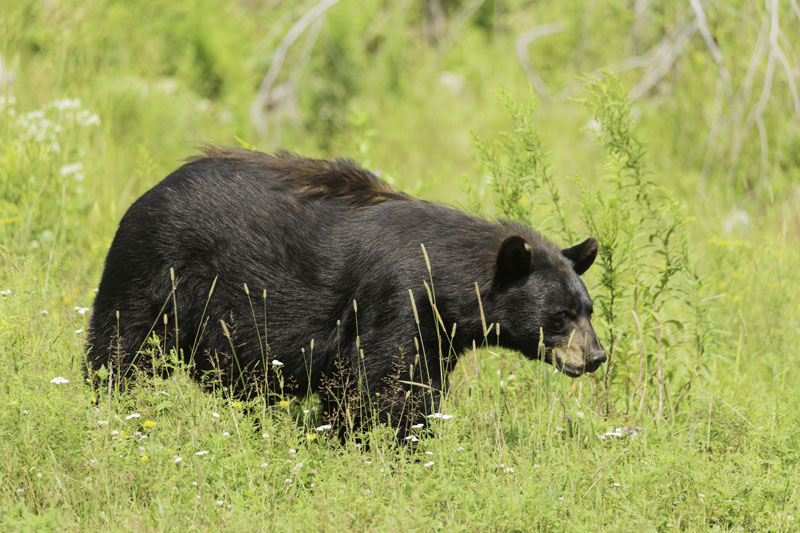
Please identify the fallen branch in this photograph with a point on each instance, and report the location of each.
(461, 18)
(263, 97)
(716, 53)
(522, 53)
(665, 62)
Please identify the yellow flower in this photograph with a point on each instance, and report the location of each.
(149, 424)
(237, 405)
(723, 243)
(310, 437)
(284, 403)
(143, 458)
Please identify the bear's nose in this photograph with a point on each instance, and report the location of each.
(595, 359)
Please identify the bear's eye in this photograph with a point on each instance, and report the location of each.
(565, 314)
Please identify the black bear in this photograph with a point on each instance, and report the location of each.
(267, 271)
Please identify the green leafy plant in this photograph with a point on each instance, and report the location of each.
(653, 318)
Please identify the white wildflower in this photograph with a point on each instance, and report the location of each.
(84, 117)
(72, 169)
(616, 433)
(201, 453)
(65, 104)
(59, 380)
(133, 415)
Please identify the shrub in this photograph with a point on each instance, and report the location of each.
(652, 315)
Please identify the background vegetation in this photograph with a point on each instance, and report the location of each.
(687, 168)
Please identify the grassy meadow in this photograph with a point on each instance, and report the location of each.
(669, 130)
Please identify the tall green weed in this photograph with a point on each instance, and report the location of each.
(653, 313)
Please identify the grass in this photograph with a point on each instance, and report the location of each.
(525, 449)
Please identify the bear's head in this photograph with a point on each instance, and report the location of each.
(543, 306)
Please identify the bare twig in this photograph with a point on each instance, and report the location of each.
(756, 114)
(666, 61)
(639, 12)
(743, 95)
(789, 74)
(522, 53)
(461, 18)
(434, 21)
(796, 8)
(700, 17)
(278, 58)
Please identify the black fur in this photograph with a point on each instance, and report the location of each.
(317, 235)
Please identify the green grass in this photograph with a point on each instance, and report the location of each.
(521, 453)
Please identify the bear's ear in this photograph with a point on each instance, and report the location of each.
(582, 255)
(513, 259)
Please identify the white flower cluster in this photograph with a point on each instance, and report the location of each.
(46, 126)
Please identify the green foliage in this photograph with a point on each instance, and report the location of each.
(646, 269)
(653, 320)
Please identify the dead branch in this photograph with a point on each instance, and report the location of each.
(743, 95)
(665, 61)
(716, 53)
(263, 98)
(434, 21)
(522, 53)
(796, 8)
(461, 18)
(639, 12)
(789, 74)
